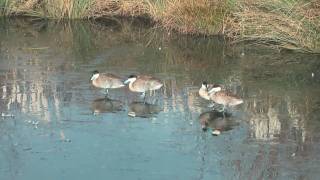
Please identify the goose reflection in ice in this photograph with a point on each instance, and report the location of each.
(143, 109)
(217, 121)
(106, 105)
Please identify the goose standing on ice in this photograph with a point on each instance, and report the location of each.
(143, 83)
(106, 81)
(224, 98)
(206, 88)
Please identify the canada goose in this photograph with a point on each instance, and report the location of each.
(106, 81)
(106, 105)
(206, 88)
(143, 83)
(224, 98)
(217, 121)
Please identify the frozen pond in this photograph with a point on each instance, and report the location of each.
(56, 125)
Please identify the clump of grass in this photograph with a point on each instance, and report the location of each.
(54, 9)
(102, 8)
(71, 9)
(8, 7)
(18, 8)
(192, 16)
(283, 24)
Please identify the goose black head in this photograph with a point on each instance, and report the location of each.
(204, 84)
(131, 78)
(95, 75)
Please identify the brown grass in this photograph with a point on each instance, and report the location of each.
(194, 16)
(102, 8)
(277, 23)
(281, 24)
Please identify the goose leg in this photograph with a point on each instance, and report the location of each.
(155, 101)
(223, 111)
(107, 93)
(143, 95)
(144, 100)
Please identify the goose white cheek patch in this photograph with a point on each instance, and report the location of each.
(130, 80)
(95, 76)
(214, 90)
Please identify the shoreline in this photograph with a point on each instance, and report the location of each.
(278, 24)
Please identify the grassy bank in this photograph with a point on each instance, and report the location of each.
(282, 24)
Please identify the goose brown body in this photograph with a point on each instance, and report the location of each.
(107, 81)
(226, 99)
(145, 83)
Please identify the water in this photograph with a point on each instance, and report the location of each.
(55, 125)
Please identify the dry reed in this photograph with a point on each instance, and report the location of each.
(282, 24)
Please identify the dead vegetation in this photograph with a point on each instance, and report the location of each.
(281, 24)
